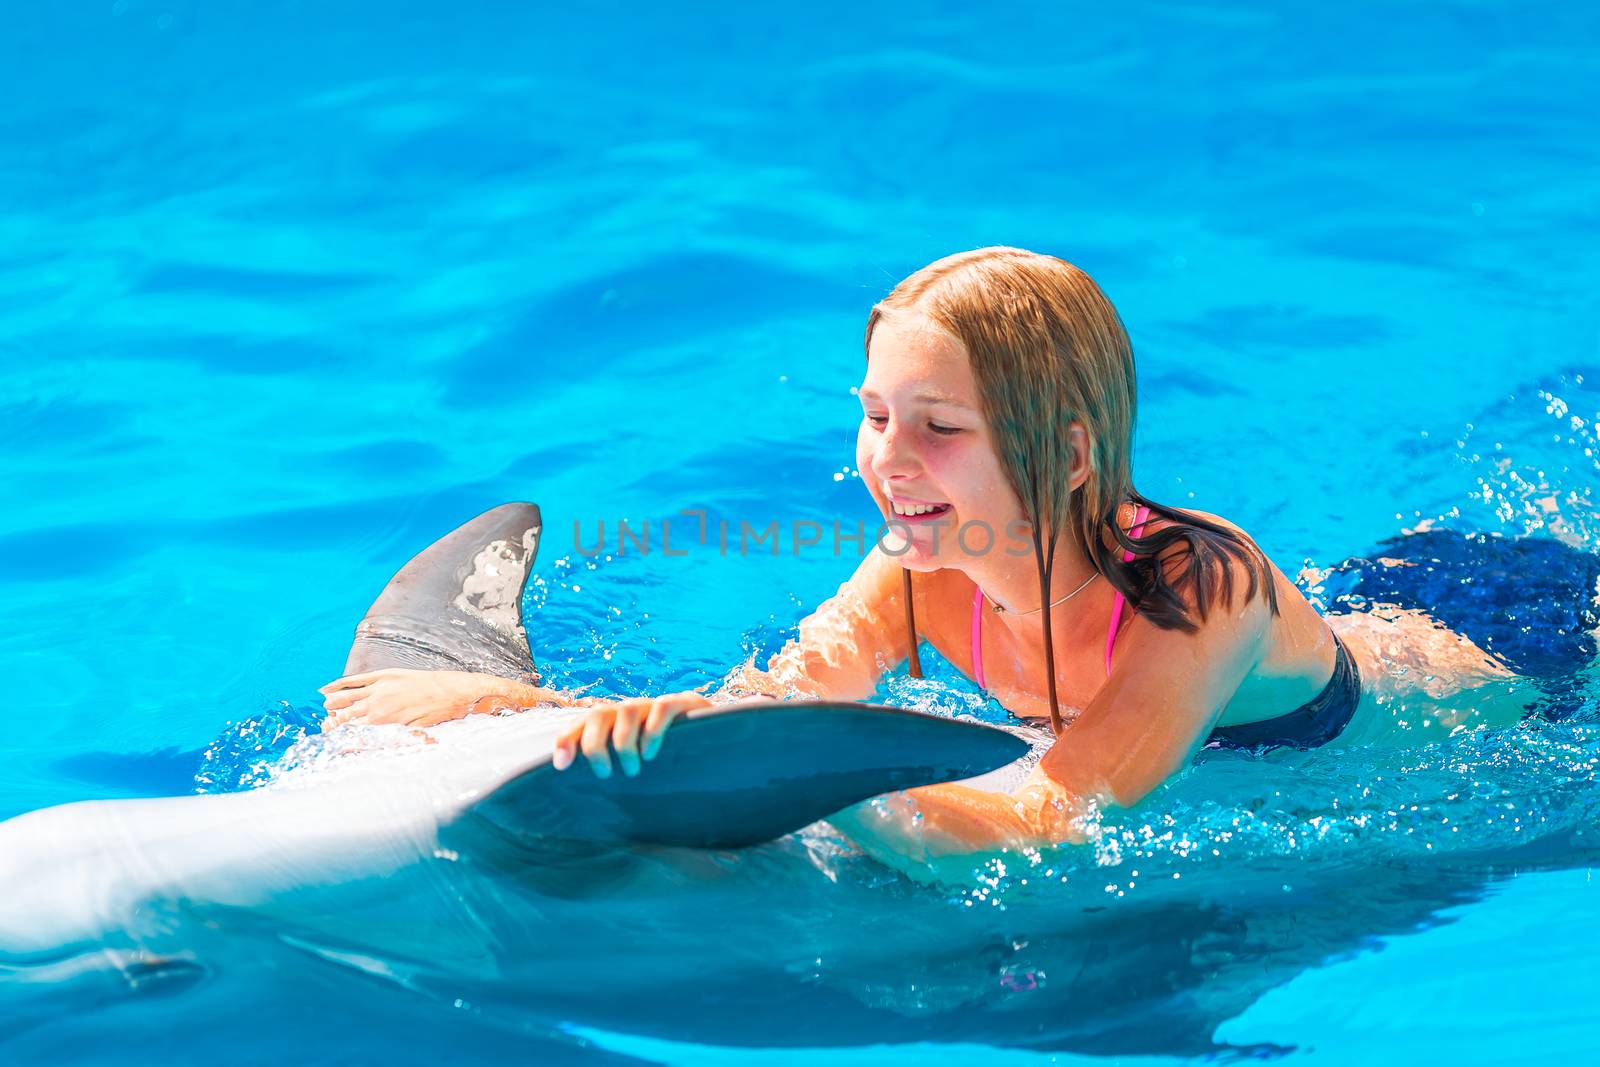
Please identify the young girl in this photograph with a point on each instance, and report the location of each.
(996, 432)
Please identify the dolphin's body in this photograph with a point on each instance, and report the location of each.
(469, 811)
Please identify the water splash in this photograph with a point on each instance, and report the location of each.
(247, 752)
(286, 742)
(1533, 461)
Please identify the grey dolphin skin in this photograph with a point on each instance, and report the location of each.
(380, 818)
(457, 605)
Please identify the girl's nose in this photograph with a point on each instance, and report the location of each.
(893, 455)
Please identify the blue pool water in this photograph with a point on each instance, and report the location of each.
(286, 291)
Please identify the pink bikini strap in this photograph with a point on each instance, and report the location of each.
(1116, 606)
(977, 637)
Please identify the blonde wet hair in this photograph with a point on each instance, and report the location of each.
(1048, 349)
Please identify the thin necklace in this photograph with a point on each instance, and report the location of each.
(1000, 608)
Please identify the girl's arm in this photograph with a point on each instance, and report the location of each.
(844, 647)
(1160, 703)
(427, 698)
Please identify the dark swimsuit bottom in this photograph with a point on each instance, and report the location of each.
(1313, 723)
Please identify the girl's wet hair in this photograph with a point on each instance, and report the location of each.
(1047, 349)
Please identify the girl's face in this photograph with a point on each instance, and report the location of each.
(924, 449)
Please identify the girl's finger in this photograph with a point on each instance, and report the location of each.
(625, 736)
(367, 715)
(566, 748)
(662, 713)
(596, 732)
(561, 756)
(352, 681)
(337, 719)
(341, 699)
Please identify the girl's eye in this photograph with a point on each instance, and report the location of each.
(944, 431)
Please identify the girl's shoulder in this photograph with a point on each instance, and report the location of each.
(1157, 521)
(1190, 519)
(1211, 559)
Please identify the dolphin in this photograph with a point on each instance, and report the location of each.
(386, 825)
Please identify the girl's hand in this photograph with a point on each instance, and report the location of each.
(423, 698)
(633, 727)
